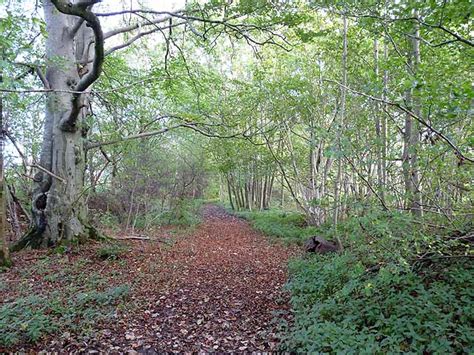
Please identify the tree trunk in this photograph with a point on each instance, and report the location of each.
(4, 250)
(282, 193)
(12, 209)
(268, 198)
(416, 207)
(58, 209)
(229, 190)
(384, 122)
(378, 130)
(262, 192)
(411, 138)
(338, 182)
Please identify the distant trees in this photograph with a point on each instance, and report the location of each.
(147, 183)
(361, 119)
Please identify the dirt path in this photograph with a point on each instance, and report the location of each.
(218, 288)
(224, 291)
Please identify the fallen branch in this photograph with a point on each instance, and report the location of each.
(137, 237)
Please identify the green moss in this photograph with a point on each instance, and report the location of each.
(5, 263)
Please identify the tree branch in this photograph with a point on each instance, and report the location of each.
(76, 27)
(132, 137)
(439, 26)
(82, 10)
(39, 167)
(138, 36)
(136, 26)
(461, 156)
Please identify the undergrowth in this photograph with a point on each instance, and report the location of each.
(111, 251)
(182, 213)
(399, 286)
(289, 227)
(75, 305)
(339, 306)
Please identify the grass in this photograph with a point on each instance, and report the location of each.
(289, 227)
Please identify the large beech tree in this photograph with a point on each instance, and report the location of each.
(73, 65)
(75, 52)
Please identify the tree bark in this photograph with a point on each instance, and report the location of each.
(379, 130)
(384, 121)
(416, 206)
(229, 190)
(411, 137)
(58, 209)
(338, 181)
(4, 248)
(12, 210)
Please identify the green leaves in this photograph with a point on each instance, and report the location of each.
(308, 35)
(339, 307)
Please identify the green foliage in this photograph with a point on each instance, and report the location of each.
(374, 298)
(108, 220)
(111, 251)
(185, 213)
(287, 226)
(31, 318)
(25, 317)
(339, 306)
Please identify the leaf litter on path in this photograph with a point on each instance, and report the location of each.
(218, 288)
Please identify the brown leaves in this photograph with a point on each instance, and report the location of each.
(225, 291)
(216, 289)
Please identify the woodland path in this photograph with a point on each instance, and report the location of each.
(226, 289)
(216, 288)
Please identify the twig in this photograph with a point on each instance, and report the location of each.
(37, 166)
(137, 237)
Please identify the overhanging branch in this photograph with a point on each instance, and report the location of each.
(461, 156)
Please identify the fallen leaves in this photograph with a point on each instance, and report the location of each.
(217, 289)
(226, 294)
